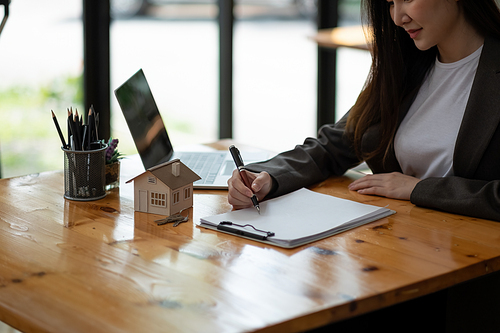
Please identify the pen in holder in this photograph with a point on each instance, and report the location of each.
(84, 174)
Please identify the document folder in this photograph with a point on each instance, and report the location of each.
(296, 218)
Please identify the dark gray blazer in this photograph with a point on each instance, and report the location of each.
(474, 189)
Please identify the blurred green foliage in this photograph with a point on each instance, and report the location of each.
(28, 138)
(29, 142)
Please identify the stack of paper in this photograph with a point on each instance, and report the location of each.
(298, 218)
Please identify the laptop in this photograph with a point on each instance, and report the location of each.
(153, 144)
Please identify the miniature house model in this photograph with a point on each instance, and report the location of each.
(164, 189)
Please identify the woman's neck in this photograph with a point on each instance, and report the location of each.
(463, 43)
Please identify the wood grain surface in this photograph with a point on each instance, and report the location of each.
(98, 266)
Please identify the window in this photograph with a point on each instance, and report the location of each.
(187, 193)
(158, 199)
(176, 196)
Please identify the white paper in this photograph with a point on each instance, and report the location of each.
(302, 216)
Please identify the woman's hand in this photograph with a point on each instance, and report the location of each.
(239, 195)
(393, 185)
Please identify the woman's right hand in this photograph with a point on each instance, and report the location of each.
(239, 195)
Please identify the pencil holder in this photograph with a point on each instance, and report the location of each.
(84, 174)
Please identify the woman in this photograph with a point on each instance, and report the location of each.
(427, 121)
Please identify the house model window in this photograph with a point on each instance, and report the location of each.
(187, 193)
(158, 199)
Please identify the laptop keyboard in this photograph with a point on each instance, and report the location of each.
(206, 166)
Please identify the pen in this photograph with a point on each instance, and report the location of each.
(241, 167)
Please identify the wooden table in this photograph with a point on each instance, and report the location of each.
(98, 266)
(350, 36)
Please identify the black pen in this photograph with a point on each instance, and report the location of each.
(241, 167)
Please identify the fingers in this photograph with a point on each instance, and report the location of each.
(239, 194)
(392, 185)
(262, 184)
(366, 182)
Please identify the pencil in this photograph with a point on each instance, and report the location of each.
(58, 129)
(78, 131)
(69, 132)
(85, 146)
(71, 126)
(95, 119)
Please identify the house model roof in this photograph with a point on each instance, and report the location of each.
(166, 173)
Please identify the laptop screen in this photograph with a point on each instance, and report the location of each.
(144, 120)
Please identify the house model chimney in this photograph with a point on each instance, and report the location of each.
(176, 169)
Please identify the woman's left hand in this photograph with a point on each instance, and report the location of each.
(393, 185)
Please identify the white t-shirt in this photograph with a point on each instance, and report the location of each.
(425, 140)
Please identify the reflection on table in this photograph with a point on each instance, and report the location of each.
(101, 267)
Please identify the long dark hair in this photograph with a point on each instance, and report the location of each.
(399, 68)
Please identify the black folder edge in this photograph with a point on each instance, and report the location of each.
(311, 239)
(241, 231)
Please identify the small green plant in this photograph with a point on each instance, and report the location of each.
(112, 153)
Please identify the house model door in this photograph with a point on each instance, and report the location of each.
(143, 201)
